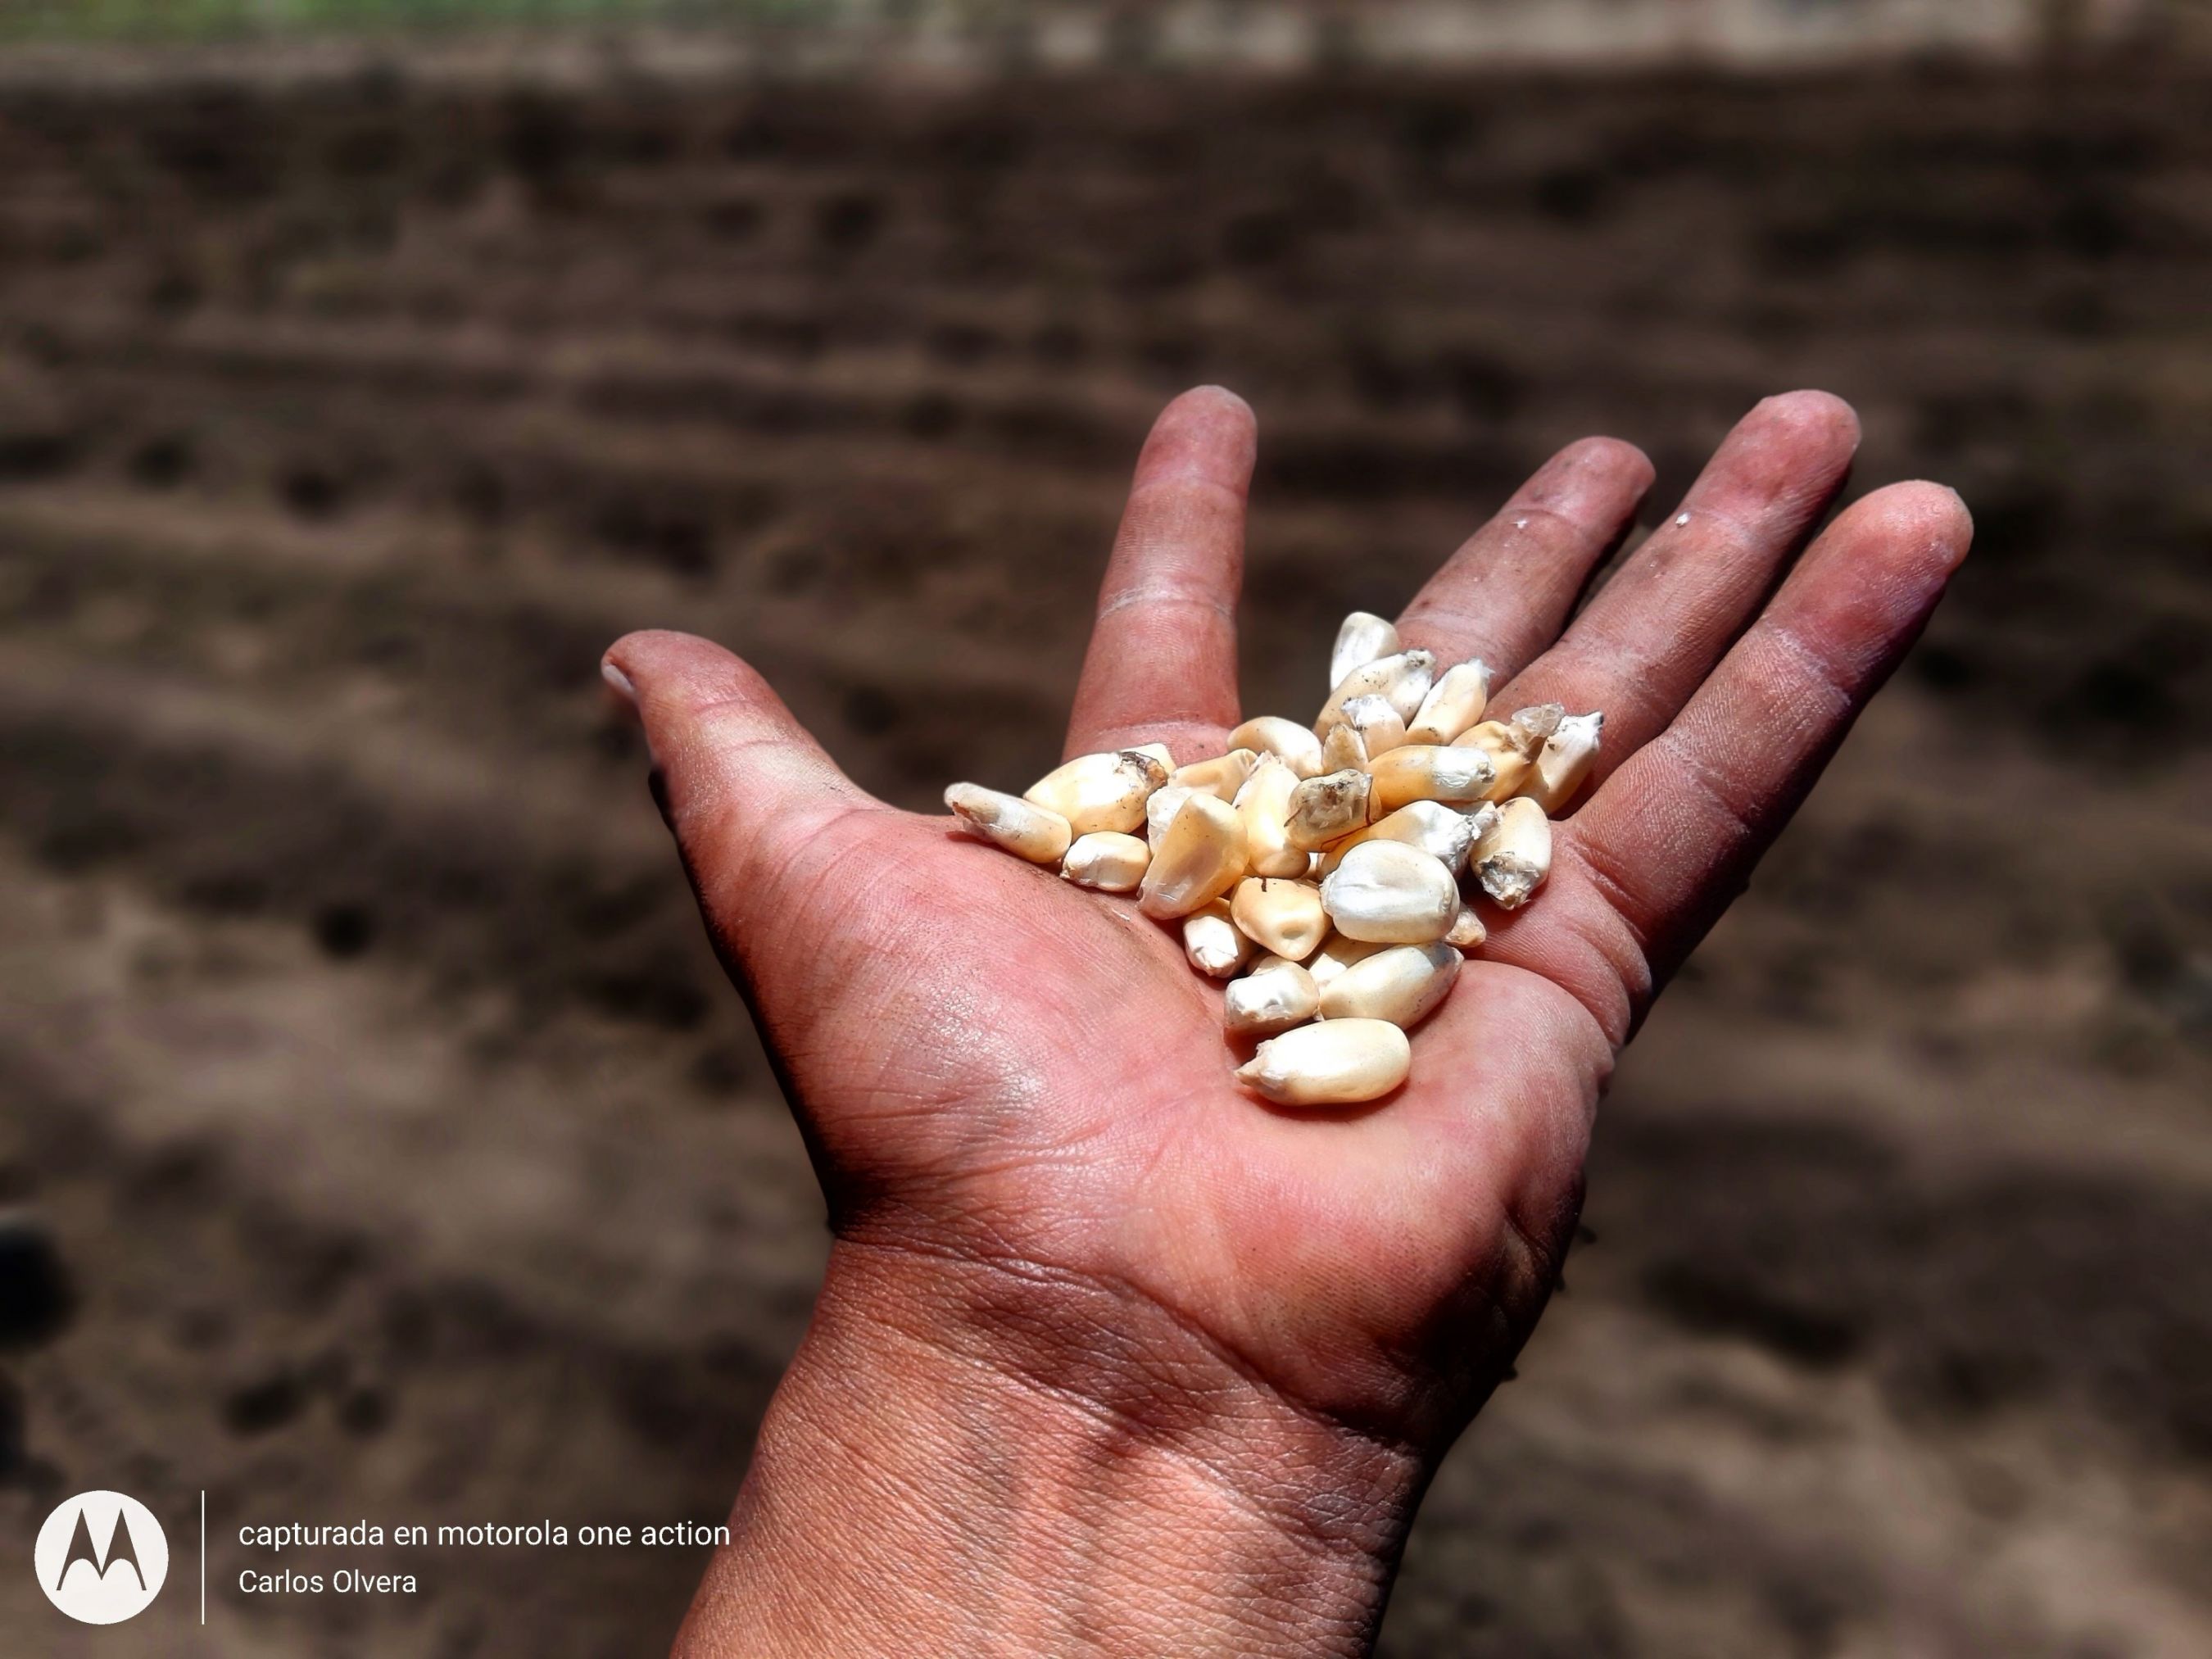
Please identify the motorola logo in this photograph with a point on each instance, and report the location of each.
(101, 1557)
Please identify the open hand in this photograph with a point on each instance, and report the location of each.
(1052, 1202)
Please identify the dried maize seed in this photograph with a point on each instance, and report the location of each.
(1388, 893)
(1212, 942)
(1160, 811)
(1284, 917)
(1023, 828)
(1220, 777)
(1364, 637)
(1341, 750)
(1454, 703)
(1403, 985)
(1535, 725)
(1513, 771)
(1270, 999)
(1201, 857)
(1442, 832)
(1327, 809)
(1379, 727)
(1107, 862)
(1264, 804)
(1467, 929)
(1337, 1063)
(1104, 791)
(1513, 856)
(1338, 953)
(1428, 772)
(1496, 739)
(1403, 680)
(1285, 739)
(1565, 762)
(1509, 752)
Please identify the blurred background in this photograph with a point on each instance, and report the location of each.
(379, 1138)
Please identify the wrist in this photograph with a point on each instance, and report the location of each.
(968, 1458)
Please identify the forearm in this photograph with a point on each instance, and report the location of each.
(959, 1462)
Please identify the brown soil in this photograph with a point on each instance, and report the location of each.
(383, 1138)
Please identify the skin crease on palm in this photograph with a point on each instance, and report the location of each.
(1019, 1096)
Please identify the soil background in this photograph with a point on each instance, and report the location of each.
(379, 1138)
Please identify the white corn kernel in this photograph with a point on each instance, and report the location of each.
(1285, 739)
(1212, 942)
(1022, 827)
(1104, 791)
(1107, 862)
(1160, 811)
(1442, 832)
(1402, 679)
(1337, 1063)
(1505, 746)
(1513, 858)
(1327, 809)
(1200, 858)
(1273, 997)
(1494, 737)
(1220, 777)
(1467, 929)
(1535, 725)
(1512, 772)
(1341, 750)
(1363, 638)
(1503, 737)
(1428, 772)
(1379, 727)
(1284, 917)
(1388, 893)
(1454, 703)
(1410, 689)
(1403, 985)
(1264, 804)
(1338, 953)
(1565, 762)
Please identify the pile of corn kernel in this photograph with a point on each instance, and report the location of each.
(1327, 872)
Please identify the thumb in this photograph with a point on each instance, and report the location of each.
(743, 786)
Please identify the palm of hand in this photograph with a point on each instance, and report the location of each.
(994, 1066)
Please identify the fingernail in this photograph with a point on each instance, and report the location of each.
(619, 683)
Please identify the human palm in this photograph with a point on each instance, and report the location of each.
(1015, 1078)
